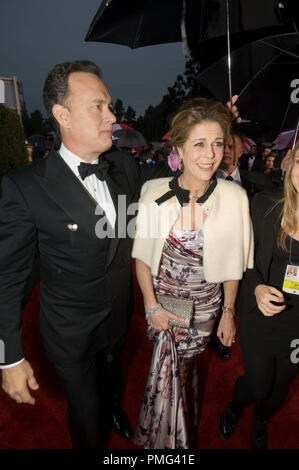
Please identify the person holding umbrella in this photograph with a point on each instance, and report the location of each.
(268, 303)
(193, 234)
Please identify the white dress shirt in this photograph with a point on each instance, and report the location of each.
(98, 190)
(251, 160)
(235, 175)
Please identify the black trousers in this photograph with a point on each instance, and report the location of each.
(92, 388)
(266, 381)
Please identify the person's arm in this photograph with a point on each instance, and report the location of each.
(253, 279)
(265, 295)
(17, 242)
(226, 329)
(232, 108)
(158, 320)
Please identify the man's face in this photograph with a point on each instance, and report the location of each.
(253, 151)
(266, 152)
(88, 131)
(227, 163)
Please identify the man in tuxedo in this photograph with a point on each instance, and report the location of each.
(73, 207)
(230, 169)
(246, 161)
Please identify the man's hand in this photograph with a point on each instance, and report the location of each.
(18, 380)
(233, 109)
(265, 295)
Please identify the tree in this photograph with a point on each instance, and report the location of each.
(13, 152)
(119, 110)
(34, 124)
(130, 116)
(37, 122)
(156, 120)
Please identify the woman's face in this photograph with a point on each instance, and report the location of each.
(270, 163)
(203, 151)
(295, 172)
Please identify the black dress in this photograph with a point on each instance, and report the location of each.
(272, 336)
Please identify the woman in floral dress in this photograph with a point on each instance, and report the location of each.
(193, 237)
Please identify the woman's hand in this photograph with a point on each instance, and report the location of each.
(226, 329)
(159, 320)
(265, 295)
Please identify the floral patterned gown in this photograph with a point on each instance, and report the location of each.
(168, 416)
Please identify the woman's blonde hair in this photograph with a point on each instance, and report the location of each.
(289, 203)
(195, 111)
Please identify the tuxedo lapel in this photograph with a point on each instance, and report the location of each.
(66, 190)
(120, 192)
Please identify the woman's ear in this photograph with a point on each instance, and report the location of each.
(179, 151)
(61, 114)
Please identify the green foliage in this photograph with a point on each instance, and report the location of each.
(13, 152)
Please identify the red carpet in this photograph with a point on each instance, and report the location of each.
(43, 426)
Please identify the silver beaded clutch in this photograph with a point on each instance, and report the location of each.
(179, 306)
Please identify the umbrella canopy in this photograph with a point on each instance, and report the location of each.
(285, 140)
(263, 76)
(247, 144)
(129, 138)
(116, 126)
(166, 136)
(202, 24)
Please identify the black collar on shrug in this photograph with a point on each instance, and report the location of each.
(183, 195)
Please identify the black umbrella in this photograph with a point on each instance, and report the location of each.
(202, 24)
(264, 75)
(129, 138)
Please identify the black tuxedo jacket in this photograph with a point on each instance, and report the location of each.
(85, 281)
(255, 181)
(266, 220)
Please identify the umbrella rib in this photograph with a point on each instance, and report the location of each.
(285, 115)
(295, 136)
(262, 68)
(286, 51)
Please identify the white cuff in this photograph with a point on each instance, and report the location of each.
(12, 365)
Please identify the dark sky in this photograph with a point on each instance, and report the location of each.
(37, 34)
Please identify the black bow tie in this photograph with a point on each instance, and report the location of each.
(99, 169)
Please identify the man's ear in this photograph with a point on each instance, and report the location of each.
(61, 114)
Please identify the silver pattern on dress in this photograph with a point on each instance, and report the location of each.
(169, 412)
